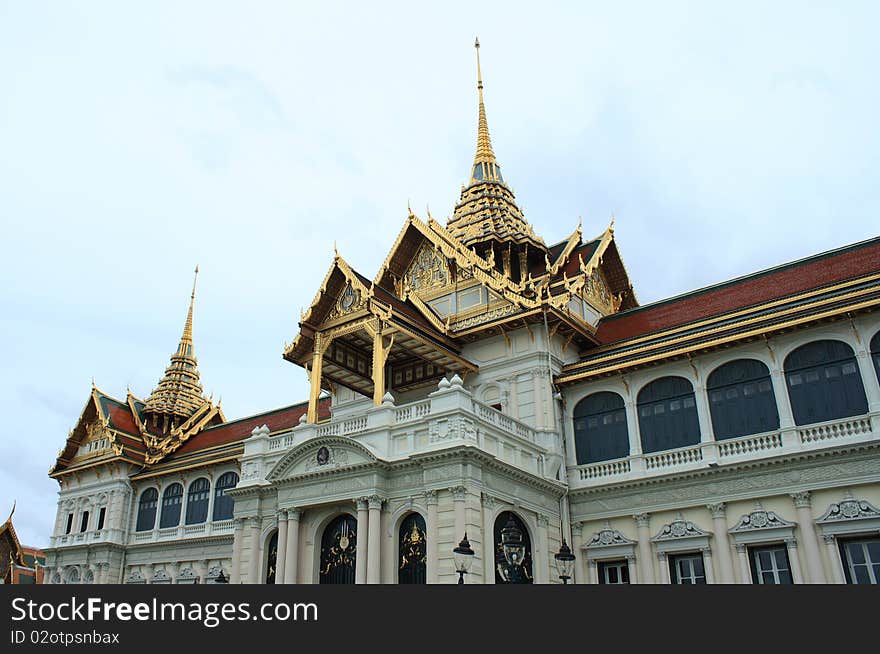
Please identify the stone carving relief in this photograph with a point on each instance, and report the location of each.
(679, 528)
(760, 519)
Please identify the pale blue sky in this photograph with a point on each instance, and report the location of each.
(137, 140)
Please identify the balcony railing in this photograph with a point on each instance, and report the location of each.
(735, 450)
(445, 418)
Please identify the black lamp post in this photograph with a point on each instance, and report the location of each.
(564, 562)
(463, 556)
(513, 548)
(221, 579)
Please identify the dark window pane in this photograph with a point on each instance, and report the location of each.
(668, 415)
(741, 409)
(600, 428)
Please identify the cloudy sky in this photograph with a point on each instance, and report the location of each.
(137, 140)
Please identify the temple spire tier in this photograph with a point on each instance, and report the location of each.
(487, 217)
(179, 393)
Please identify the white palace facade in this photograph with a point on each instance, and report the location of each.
(482, 379)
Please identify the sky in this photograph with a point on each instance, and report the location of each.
(140, 139)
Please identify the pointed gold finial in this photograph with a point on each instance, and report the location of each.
(484, 155)
(9, 519)
(335, 251)
(611, 224)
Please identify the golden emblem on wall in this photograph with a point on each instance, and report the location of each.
(429, 270)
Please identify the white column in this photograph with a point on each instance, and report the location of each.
(664, 567)
(539, 399)
(708, 566)
(281, 554)
(577, 547)
(592, 572)
(547, 575)
(373, 547)
(459, 495)
(725, 560)
(794, 561)
(631, 567)
(291, 555)
(254, 560)
(237, 538)
(745, 571)
(513, 400)
(488, 539)
(646, 564)
(432, 563)
(834, 561)
(869, 378)
(360, 566)
(815, 573)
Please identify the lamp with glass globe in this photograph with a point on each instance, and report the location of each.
(513, 548)
(463, 556)
(564, 562)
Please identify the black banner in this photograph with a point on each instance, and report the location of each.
(282, 618)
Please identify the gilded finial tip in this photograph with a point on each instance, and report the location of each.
(477, 42)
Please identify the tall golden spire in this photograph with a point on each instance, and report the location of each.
(179, 393)
(484, 143)
(487, 210)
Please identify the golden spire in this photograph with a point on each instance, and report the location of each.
(187, 337)
(484, 143)
(179, 393)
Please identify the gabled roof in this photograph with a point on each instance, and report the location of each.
(826, 286)
(750, 290)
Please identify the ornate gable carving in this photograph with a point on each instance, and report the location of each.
(320, 455)
(678, 529)
(428, 270)
(759, 519)
(849, 509)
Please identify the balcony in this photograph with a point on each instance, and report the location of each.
(787, 442)
(448, 417)
(182, 532)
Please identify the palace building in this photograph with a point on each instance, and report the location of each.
(484, 382)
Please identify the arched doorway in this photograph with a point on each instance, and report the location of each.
(504, 573)
(271, 558)
(339, 551)
(412, 551)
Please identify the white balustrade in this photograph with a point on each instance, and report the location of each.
(835, 430)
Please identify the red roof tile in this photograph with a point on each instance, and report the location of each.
(789, 279)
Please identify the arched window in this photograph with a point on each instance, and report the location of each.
(824, 382)
(504, 572)
(411, 568)
(223, 504)
(600, 432)
(272, 558)
(197, 502)
(339, 551)
(668, 415)
(741, 399)
(73, 576)
(147, 510)
(172, 498)
(875, 354)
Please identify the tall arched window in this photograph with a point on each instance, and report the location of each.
(668, 415)
(600, 432)
(223, 504)
(147, 510)
(272, 558)
(339, 551)
(172, 498)
(875, 354)
(504, 572)
(824, 382)
(741, 399)
(197, 501)
(73, 576)
(413, 551)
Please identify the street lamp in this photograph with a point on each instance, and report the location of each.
(564, 562)
(463, 556)
(512, 546)
(221, 579)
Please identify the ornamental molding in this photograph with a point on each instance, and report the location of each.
(321, 454)
(849, 516)
(760, 519)
(849, 509)
(763, 478)
(679, 529)
(762, 526)
(608, 536)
